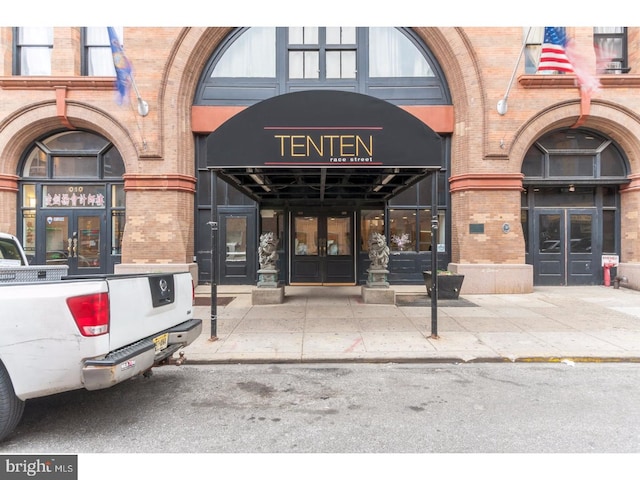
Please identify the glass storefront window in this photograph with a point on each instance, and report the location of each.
(410, 230)
(117, 231)
(425, 231)
(29, 233)
(29, 196)
(442, 230)
(371, 221)
(402, 230)
(73, 196)
(117, 195)
(272, 221)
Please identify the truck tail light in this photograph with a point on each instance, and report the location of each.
(91, 313)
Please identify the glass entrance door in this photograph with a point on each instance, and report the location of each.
(75, 239)
(566, 250)
(322, 248)
(237, 247)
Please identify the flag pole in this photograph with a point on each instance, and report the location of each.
(123, 71)
(502, 103)
(143, 107)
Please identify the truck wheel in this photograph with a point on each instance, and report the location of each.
(11, 407)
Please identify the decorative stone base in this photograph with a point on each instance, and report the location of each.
(267, 295)
(377, 278)
(385, 296)
(490, 278)
(267, 277)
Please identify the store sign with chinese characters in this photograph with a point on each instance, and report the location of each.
(73, 196)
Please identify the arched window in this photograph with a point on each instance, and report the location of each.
(64, 176)
(254, 64)
(391, 54)
(575, 154)
(251, 55)
(76, 154)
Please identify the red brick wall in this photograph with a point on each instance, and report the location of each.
(477, 62)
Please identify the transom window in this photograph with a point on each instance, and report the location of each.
(574, 154)
(72, 155)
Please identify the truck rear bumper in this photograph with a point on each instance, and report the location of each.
(136, 358)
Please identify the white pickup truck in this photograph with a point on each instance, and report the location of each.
(87, 332)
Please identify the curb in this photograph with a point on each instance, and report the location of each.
(542, 359)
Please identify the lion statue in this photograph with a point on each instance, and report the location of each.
(378, 251)
(267, 254)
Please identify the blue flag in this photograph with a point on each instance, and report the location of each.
(122, 65)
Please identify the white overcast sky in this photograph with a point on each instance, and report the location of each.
(321, 13)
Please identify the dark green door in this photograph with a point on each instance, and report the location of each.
(566, 249)
(238, 247)
(322, 248)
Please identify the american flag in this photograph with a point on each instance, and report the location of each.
(554, 55)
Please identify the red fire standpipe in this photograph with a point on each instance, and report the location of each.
(607, 274)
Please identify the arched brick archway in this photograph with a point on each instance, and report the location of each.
(38, 120)
(611, 121)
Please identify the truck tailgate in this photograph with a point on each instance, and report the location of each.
(144, 305)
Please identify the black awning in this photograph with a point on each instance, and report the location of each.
(324, 145)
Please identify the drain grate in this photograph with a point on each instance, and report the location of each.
(425, 301)
(206, 301)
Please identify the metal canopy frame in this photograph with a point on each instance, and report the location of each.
(322, 186)
(324, 147)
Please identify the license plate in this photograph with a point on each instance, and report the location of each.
(161, 341)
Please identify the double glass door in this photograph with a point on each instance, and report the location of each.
(74, 238)
(322, 248)
(566, 248)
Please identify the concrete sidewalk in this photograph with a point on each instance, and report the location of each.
(331, 324)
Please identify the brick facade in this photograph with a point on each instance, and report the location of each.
(158, 149)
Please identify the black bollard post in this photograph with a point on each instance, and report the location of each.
(214, 285)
